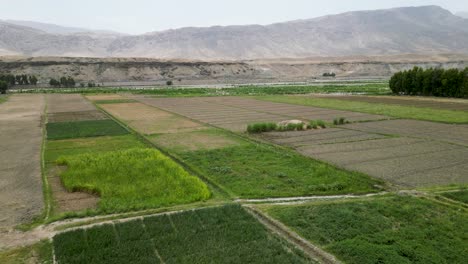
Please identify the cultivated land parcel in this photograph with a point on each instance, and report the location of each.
(154, 179)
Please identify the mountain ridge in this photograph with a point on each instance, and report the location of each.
(427, 29)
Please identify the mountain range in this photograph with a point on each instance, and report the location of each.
(419, 30)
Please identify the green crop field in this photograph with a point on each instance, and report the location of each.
(398, 111)
(461, 196)
(257, 171)
(214, 235)
(390, 229)
(131, 179)
(69, 147)
(114, 101)
(82, 129)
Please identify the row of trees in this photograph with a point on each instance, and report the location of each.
(431, 82)
(22, 79)
(63, 82)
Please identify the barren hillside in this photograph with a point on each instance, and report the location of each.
(151, 71)
(423, 30)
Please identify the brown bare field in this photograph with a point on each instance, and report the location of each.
(235, 113)
(403, 161)
(437, 103)
(149, 120)
(20, 167)
(59, 103)
(76, 116)
(68, 201)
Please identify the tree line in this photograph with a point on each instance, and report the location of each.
(22, 79)
(431, 82)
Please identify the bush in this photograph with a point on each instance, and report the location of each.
(169, 83)
(431, 82)
(3, 87)
(317, 124)
(340, 121)
(261, 127)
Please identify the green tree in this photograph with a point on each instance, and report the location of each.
(54, 83)
(33, 80)
(3, 87)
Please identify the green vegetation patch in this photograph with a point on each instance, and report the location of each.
(77, 146)
(461, 196)
(257, 171)
(132, 179)
(338, 87)
(203, 139)
(398, 111)
(115, 101)
(3, 98)
(390, 229)
(213, 235)
(81, 129)
(40, 252)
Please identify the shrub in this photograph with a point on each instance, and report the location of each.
(3, 87)
(261, 127)
(317, 124)
(169, 83)
(340, 121)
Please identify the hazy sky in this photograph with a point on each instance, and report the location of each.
(139, 16)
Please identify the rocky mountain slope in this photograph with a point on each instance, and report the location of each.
(140, 71)
(428, 29)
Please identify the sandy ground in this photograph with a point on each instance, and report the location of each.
(20, 167)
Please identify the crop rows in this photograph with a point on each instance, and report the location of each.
(80, 129)
(214, 235)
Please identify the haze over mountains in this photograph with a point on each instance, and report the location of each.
(427, 29)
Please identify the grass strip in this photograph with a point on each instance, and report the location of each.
(133, 179)
(115, 101)
(391, 229)
(418, 113)
(81, 129)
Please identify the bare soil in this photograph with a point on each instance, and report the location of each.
(149, 120)
(20, 165)
(58, 103)
(235, 113)
(68, 201)
(76, 116)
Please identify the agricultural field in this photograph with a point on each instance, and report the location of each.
(240, 167)
(388, 229)
(202, 236)
(169, 177)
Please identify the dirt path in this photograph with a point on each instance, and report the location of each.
(20, 166)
